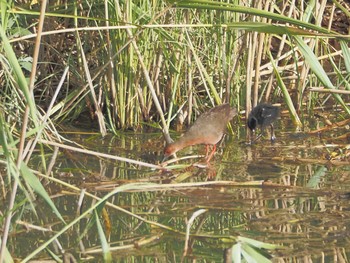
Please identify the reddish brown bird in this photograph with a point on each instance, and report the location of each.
(208, 129)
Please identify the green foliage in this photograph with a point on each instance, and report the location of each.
(193, 58)
(131, 60)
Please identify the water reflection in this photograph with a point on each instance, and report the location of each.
(306, 208)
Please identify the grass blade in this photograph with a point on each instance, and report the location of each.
(34, 182)
(316, 67)
(104, 243)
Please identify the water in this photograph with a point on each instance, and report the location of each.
(304, 208)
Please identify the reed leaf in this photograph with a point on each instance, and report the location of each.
(316, 67)
(286, 96)
(205, 77)
(119, 189)
(7, 256)
(271, 29)
(223, 6)
(104, 243)
(36, 185)
(250, 254)
(346, 54)
(19, 76)
(236, 253)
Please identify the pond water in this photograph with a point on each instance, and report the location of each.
(303, 204)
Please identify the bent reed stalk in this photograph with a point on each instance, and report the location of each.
(131, 63)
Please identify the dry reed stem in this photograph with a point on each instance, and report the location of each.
(138, 244)
(98, 110)
(110, 185)
(333, 126)
(103, 155)
(20, 156)
(326, 90)
(308, 160)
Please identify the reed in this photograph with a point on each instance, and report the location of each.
(127, 66)
(133, 63)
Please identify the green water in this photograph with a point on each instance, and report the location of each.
(305, 210)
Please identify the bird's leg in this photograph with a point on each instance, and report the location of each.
(258, 137)
(251, 137)
(273, 136)
(206, 150)
(261, 132)
(255, 138)
(211, 154)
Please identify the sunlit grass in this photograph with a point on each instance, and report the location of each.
(133, 63)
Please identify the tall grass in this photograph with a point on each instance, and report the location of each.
(138, 63)
(131, 62)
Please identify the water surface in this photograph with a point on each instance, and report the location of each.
(304, 209)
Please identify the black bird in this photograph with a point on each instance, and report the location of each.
(263, 115)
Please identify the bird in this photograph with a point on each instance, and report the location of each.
(208, 129)
(263, 115)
